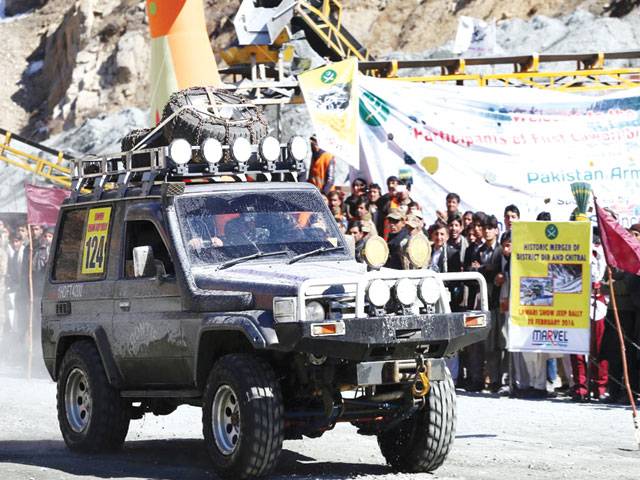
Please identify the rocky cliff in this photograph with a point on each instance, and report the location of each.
(66, 61)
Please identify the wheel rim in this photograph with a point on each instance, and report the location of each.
(77, 399)
(225, 415)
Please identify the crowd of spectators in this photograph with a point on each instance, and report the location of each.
(480, 242)
(23, 261)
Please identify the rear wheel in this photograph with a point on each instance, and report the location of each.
(242, 417)
(422, 442)
(91, 414)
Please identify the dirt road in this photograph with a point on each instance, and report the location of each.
(496, 438)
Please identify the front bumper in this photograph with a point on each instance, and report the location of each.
(388, 337)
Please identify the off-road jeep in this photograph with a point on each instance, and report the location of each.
(186, 283)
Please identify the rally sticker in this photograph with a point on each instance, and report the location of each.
(95, 241)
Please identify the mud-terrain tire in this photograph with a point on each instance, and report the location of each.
(92, 416)
(132, 138)
(243, 417)
(248, 122)
(422, 442)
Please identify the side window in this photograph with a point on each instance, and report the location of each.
(81, 253)
(140, 233)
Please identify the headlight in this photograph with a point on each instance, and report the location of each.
(298, 148)
(180, 151)
(314, 311)
(241, 150)
(284, 309)
(429, 290)
(211, 150)
(378, 293)
(270, 149)
(406, 291)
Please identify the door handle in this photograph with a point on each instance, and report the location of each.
(125, 305)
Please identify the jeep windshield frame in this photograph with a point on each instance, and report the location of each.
(219, 227)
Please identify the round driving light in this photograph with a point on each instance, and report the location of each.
(429, 290)
(180, 151)
(406, 291)
(419, 251)
(314, 311)
(241, 150)
(375, 252)
(211, 150)
(270, 149)
(378, 293)
(298, 148)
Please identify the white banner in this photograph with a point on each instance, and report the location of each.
(497, 146)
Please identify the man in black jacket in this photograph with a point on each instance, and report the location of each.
(489, 264)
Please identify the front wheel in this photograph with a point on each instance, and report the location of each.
(242, 417)
(91, 414)
(422, 442)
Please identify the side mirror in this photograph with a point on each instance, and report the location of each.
(143, 262)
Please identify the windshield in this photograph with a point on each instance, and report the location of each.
(220, 227)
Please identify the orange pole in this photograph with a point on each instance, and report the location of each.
(181, 53)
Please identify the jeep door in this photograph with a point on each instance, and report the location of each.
(148, 309)
(78, 298)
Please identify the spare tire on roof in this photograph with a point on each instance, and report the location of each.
(134, 137)
(213, 117)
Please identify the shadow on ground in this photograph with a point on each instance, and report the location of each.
(163, 459)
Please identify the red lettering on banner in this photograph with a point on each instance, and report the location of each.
(99, 216)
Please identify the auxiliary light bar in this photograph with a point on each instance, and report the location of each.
(180, 160)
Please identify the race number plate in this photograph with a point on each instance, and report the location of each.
(95, 241)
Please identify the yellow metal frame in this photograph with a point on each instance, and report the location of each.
(569, 80)
(328, 30)
(52, 171)
(590, 74)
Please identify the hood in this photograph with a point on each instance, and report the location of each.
(266, 280)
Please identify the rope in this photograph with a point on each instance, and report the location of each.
(627, 339)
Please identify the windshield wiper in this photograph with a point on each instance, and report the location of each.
(235, 261)
(314, 252)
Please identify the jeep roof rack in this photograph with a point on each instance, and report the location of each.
(211, 161)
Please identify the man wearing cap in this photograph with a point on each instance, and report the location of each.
(398, 238)
(413, 226)
(323, 167)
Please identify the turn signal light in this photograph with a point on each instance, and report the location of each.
(324, 329)
(475, 321)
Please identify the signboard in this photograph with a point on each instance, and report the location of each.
(550, 287)
(95, 241)
(330, 94)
